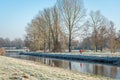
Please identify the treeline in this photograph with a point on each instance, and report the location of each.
(107, 41)
(55, 28)
(18, 43)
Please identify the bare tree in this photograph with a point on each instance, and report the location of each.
(8, 42)
(45, 28)
(56, 36)
(42, 30)
(55, 30)
(118, 40)
(2, 42)
(96, 20)
(86, 29)
(18, 43)
(86, 43)
(34, 38)
(48, 21)
(102, 35)
(85, 34)
(112, 37)
(72, 11)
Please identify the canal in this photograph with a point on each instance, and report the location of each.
(79, 66)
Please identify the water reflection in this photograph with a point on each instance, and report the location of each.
(118, 73)
(97, 69)
(91, 68)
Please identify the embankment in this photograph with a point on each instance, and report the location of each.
(77, 57)
(15, 69)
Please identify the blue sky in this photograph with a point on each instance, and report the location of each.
(108, 8)
(15, 14)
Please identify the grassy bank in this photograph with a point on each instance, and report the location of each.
(15, 69)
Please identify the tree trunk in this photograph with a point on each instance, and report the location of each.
(49, 44)
(44, 42)
(69, 42)
(44, 45)
(96, 48)
(101, 49)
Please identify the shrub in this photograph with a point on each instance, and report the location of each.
(2, 51)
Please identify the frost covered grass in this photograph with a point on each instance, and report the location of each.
(109, 54)
(15, 69)
(99, 53)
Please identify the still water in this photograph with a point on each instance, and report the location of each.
(83, 67)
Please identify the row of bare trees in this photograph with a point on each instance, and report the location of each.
(44, 32)
(51, 28)
(55, 28)
(18, 43)
(104, 34)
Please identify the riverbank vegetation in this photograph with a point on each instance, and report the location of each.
(68, 26)
(2, 51)
(14, 69)
(56, 29)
